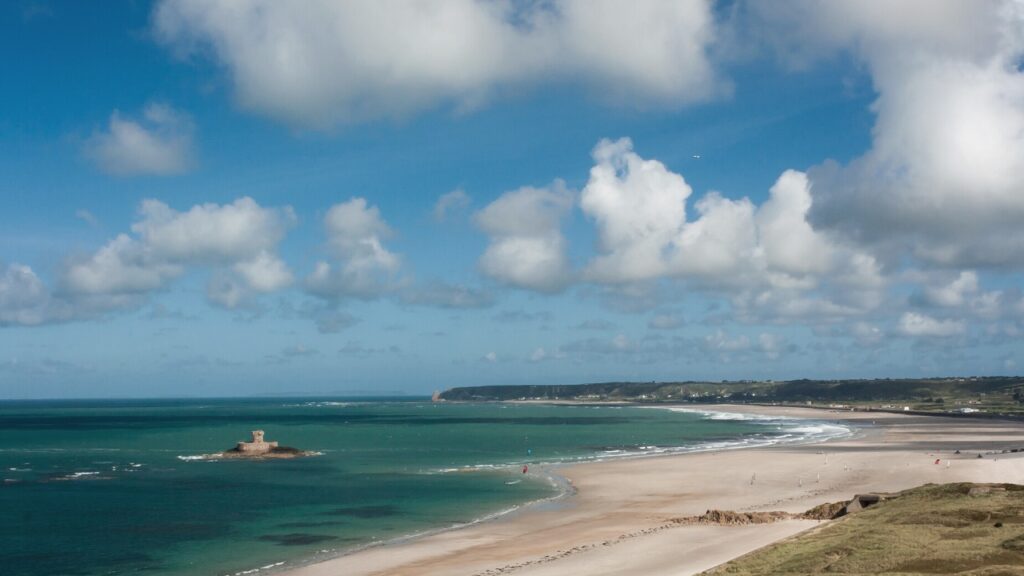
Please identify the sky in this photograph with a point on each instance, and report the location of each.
(219, 198)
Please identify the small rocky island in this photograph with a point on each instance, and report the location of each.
(259, 448)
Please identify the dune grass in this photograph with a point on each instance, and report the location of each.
(933, 529)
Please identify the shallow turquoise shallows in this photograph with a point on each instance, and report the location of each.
(121, 487)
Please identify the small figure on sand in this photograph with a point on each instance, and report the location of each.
(752, 478)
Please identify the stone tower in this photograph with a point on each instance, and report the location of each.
(258, 444)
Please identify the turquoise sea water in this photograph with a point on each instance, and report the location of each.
(120, 487)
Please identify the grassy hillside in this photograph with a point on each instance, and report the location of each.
(933, 529)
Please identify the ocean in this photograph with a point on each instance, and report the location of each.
(124, 487)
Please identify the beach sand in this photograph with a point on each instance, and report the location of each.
(620, 519)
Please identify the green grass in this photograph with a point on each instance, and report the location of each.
(933, 529)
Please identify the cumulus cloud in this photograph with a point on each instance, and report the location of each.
(914, 324)
(941, 180)
(158, 143)
(123, 266)
(331, 63)
(768, 259)
(242, 230)
(264, 273)
(237, 240)
(773, 261)
(789, 243)
(527, 248)
(24, 299)
(639, 208)
(361, 266)
(955, 292)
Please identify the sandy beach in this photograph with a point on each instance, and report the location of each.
(620, 519)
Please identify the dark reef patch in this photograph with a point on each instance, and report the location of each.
(380, 511)
(309, 524)
(297, 539)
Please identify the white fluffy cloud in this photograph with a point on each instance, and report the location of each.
(159, 143)
(25, 300)
(123, 266)
(941, 180)
(639, 208)
(789, 243)
(526, 247)
(322, 63)
(238, 240)
(242, 230)
(768, 260)
(361, 266)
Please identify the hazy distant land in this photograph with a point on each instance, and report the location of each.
(993, 395)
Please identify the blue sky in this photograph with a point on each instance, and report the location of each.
(206, 198)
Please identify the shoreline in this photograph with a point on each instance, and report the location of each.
(587, 530)
(550, 472)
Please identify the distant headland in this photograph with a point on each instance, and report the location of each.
(966, 395)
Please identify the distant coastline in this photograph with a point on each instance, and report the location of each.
(988, 396)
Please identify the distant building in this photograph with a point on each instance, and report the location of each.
(258, 444)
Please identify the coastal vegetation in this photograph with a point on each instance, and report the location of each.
(933, 529)
(991, 395)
